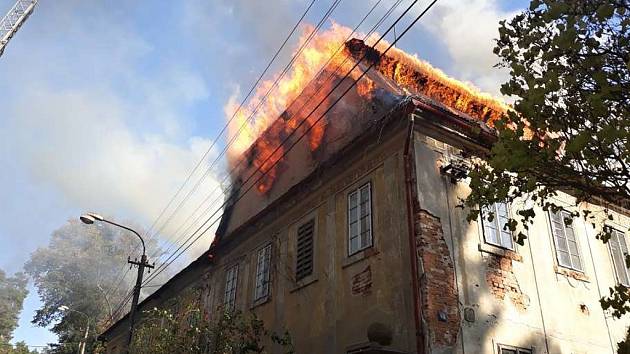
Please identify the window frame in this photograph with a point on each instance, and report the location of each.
(618, 233)
(370, 235)
(499, 228)
(516, 350)
(230, 303)
(564, 231)
(266, 252)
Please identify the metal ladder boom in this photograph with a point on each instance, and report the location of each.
(13, 20)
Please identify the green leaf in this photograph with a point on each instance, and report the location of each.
(605, 11)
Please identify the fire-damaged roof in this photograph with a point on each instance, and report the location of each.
(395, 80)
(390, 106)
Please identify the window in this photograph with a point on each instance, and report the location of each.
(304, 250)
(504, 349)
(359, 219)
(619, 250)
(263, 270)
(231, 278)
(564, 238)
(493, 230)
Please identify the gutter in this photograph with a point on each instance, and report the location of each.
(409, 185)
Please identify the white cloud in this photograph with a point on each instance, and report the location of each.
(468, 29)
(80, 144)
(85, 117)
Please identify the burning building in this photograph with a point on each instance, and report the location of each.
(342, 227)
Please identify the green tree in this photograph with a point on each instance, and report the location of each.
(187, 331)
(569, 64)
(12, 293)
(81, 268)
(17, 348)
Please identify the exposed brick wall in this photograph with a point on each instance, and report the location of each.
(503, 282)
(438, 290)
(362, 282)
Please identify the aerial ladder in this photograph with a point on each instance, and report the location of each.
(13, 20)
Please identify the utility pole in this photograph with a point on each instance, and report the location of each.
(136, 293)
(90, 218)
(82, 344)
(13, 20)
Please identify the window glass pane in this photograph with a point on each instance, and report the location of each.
(354, 245)
(502, 209)
(569, 232)
(365, 193)
(561, 244)
(354, 230)
(622, 243)
(506, 240)
(556, 217)
(573, 248)
(576, 263)
(564, 258)
(491, 235)
(352, 214)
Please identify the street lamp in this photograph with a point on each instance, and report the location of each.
(83, 344)
(89, 219)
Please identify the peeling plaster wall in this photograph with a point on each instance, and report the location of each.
(522, 297)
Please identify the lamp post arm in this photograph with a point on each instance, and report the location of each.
(144, 250)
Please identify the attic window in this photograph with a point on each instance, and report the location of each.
(304, 250)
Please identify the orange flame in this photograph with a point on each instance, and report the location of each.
(277, 116)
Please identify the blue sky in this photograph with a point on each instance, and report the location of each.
(107, 105)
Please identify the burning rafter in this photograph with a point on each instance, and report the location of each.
(267, 123)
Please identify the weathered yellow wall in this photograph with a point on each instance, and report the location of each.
(322, 313)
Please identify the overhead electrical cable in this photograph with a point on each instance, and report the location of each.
(323, 114)
(215, 212)
(216, 139)
(205, 212)
(264, 98)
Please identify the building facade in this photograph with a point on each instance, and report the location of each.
(369, 253)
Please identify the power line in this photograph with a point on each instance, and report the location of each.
(216, 139)
(205, 212)
(323, 114)
(251, 90)
(290, 105)
(263, 100)
(215, 212)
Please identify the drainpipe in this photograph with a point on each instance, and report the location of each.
(409, 185)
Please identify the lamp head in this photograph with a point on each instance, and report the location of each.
(63, 308)
(90, 218)
(87, 219)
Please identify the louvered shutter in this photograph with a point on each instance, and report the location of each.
(304, 264)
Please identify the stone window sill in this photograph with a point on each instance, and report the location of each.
(501, 252)
(577, 275)
(358, 257)
(260, 302)
(303, 283)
